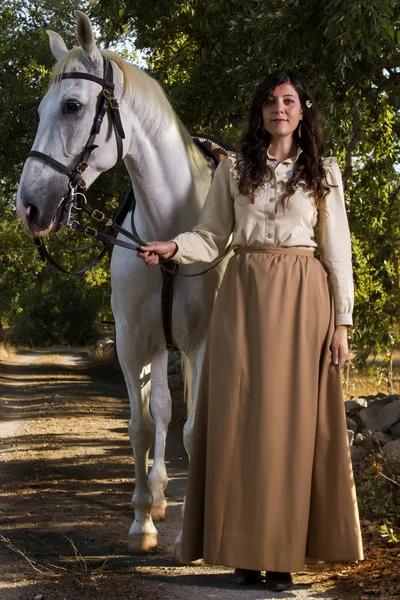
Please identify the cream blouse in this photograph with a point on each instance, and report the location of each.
(229, 214)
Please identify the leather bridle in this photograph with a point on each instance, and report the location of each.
(106, 101)
(75, 200)
(76, 204)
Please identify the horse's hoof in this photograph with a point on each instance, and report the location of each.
(158, 512)
(142, 543)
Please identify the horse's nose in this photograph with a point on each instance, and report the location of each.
(28, 212)
(31, 214)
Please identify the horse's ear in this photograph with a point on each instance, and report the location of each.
(57, 45)
(84, 33)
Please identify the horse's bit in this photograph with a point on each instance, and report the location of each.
(75, 200)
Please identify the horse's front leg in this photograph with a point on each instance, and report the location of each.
(142, 534)
(161, 411)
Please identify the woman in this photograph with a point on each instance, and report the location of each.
(270, 480)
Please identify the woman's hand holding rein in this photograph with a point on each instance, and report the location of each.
(152, 252)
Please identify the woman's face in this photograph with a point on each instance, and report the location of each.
(282, 111)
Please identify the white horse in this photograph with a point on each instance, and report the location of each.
(170, 178)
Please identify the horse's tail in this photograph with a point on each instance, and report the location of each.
(187, 382)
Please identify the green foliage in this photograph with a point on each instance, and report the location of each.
(388, 533)
(378, 495)
(36, 301)
(210, 56)
(57, 309)
(25, 66)
(18, 261)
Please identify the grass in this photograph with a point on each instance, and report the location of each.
(369, 380)
(76, 563)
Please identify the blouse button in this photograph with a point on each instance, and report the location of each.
(271, 217)
(269, 235)
(272, 199)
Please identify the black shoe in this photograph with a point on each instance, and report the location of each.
(246, 576)
(278, 582)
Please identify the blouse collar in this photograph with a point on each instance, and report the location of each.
(287, 161)
(237, 161)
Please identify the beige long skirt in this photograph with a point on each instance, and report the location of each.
(270, 479)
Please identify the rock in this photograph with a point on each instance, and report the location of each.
(382, 438)
(382, 399)
(350, 433)
(355, 404)
(352, 425)
(391, 452)
(381, 416)
(395, 431)
(357, 453)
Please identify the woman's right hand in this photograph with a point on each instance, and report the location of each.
(153, 250)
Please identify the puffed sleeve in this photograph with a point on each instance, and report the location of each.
(208, 240)
(335, 245)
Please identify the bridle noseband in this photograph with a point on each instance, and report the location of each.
(106, 101)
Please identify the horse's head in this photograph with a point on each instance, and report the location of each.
(67, 114)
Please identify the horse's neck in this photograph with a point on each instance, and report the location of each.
(170, 180)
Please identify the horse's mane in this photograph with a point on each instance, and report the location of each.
(146, 97)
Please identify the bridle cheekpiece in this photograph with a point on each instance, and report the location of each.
(75, 197)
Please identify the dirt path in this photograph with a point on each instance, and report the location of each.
(66, 473)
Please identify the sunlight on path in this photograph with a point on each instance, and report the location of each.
(71, 357)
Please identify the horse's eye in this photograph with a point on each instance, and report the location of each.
(72, 106)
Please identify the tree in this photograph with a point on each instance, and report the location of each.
(25, 282)
(211, 55)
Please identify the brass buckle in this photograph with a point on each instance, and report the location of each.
(98, 215)
(90, 231)
(112, 100)
(82, 167)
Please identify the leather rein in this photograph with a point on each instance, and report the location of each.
(75, 202)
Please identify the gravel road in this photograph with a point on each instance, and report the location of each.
(66, 475)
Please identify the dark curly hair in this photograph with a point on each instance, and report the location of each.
(256, 141)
